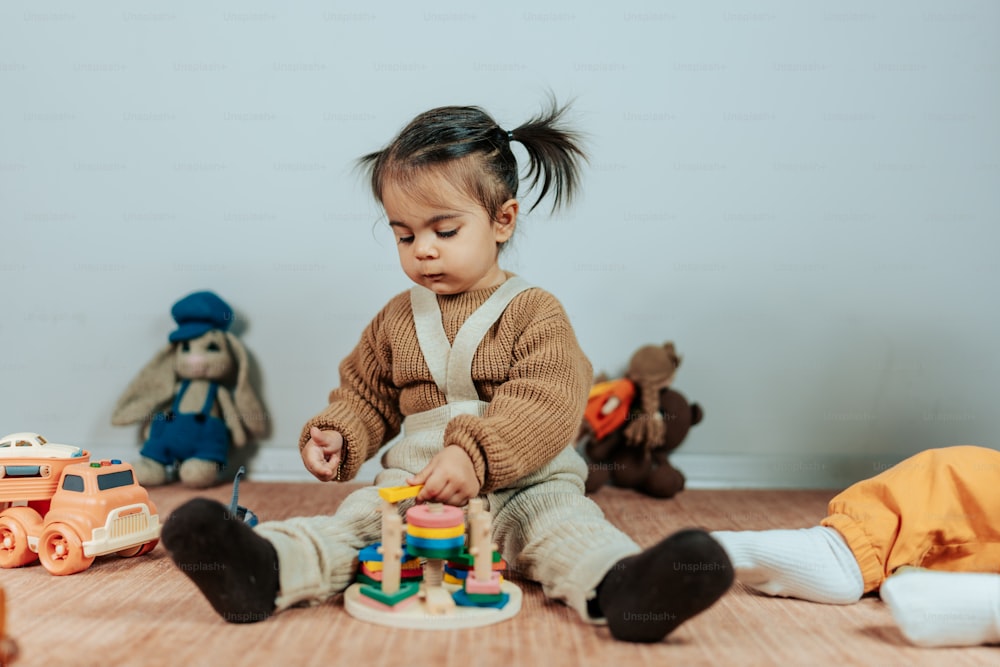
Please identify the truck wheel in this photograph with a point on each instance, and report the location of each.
(14, 551)
(138, 550)
(148, 546)
(61, 550)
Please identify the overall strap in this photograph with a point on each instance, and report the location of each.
(470, 335)
(451, 365)
(176, 407)
(430, 334)
(213, 389)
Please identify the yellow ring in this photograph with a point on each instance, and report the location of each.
(435, 533)
(409, 564)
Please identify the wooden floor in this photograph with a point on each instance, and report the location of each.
(143, 611)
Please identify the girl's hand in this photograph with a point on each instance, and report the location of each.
(449, 478)
(321, 453)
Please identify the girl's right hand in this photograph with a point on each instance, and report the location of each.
(321, 453)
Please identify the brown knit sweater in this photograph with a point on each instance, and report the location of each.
(529, 367)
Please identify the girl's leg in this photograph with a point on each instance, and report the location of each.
(247, 574)
(235, 568)
(317, 556)
(551, 533)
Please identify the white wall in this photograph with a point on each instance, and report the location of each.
(804, 196)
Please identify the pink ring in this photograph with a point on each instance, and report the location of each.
(446, 516)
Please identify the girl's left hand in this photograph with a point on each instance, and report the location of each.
(449, 478)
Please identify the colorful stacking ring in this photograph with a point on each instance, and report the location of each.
(435, 543)
(440, 516)
(437, 533)
(434, 531)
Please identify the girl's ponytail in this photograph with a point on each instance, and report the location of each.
(554, 155)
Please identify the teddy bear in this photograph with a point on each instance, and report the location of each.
(631, 425)
(194, 398)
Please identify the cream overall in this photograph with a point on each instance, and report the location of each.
(547, 529)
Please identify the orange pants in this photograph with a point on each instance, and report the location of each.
(939, 509)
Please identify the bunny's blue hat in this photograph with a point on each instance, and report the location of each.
(198, 313)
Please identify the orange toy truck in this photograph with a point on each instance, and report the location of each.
(67, 511)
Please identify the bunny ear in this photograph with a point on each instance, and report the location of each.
(248, 406)
(151, 388)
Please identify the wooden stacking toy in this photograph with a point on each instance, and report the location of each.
(440, 577)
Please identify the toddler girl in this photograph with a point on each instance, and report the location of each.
(483, 375)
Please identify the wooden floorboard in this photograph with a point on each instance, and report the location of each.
(143, 611)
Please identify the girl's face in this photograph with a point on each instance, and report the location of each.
(446, 239)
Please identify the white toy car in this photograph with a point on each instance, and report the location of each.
(32, 445)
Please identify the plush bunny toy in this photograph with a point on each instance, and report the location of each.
(196, 396)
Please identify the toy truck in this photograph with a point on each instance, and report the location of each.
(67, 511)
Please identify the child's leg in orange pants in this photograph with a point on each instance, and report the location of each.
(940, 511)
(935, 509)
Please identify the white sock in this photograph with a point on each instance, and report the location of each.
(811, 564)
(945, 608)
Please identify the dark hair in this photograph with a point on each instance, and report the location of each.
(469, 143)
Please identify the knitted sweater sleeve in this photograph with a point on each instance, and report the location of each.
(536, 413)
(365, 407)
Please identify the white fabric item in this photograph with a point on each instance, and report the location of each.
(810, 563)
(945, 608)
(450, 364)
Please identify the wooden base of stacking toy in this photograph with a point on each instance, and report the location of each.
(434, 534)
(416, 616)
